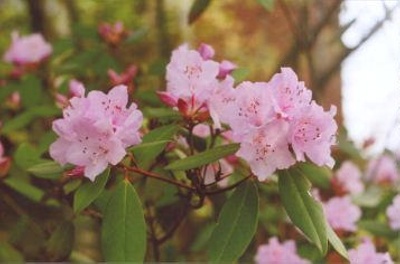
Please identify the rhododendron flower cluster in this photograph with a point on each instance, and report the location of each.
(31, 49)
(393, 213)
(277, 253)
(342, 214)
(366, 253)
(276, 122)
(95, 130)
(348, 179)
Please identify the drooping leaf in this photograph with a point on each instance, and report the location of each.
(31, 92)
(203, 158)
(305, 212)
(47, 170)
(27, 156)
(236, 225)
(61, 241)
(89, 191)
(336, 243)
(198, 7)
(124, 229)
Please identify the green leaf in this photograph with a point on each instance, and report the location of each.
(9, 254)
(47, 170)
(198, 7)
(27, 117)
(236, 225)
(203, 158)
(89, 191)
(240, 74)
(31, 92)
(336, 242)
(319, 176)
(25, 188)
(377, 228)
(124, 228)
(26, 156)
(153, 143)
(60, 244)
(302, 209)
(267, 4)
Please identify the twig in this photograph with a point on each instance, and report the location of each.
(230, 187)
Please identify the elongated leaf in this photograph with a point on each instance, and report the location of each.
(89, 191)
(377, 228)
(198, 7)
(124, 229)
(203, 158)
(336, 242)
(61, 242)
(236, 226)
(46, 170)
(302, 209)
(25, 188)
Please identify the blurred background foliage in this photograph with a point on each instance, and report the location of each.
(260, 36)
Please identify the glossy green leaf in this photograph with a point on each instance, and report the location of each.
(61, 242)
(46, 170)
(203, 158)
(198, 7)
(236, 225)
(267, 4)
(319, 176)
(305, 212)
(89, 191)
(153, 144)
(124, 229)
(336, 243)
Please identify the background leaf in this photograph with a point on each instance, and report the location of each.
(198, 7)
(302, 209)
(124, 228)
(236, 226)
(203, 158)
(61, 241)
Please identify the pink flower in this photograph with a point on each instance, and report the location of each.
(5, 162)
(312, 132)
(366, 253)
(342, 214)
(290, 94)
(191, 79)
(276, 253)
(31, 49)
(125, 77)
(393, 213)
(225, 68)
(76, 88)
(266, 149)
(206, 51)
(383, 170)
(95, 130)
(253, 107)
(112, 34)
(348, 179)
